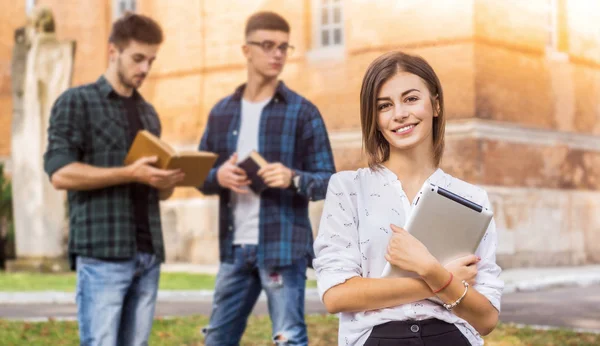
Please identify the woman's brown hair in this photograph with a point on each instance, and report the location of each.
(380, 71)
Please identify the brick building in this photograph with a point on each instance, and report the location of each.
(522, 84)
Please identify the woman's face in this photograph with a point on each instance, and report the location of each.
(404, 112)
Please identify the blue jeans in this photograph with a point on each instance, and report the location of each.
(237, 289)
(115, 300)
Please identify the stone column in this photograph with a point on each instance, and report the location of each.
(42, 69)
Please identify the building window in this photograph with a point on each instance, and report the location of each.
(552, 29)
(557, 31)
(29, 6)
(329, 23)
(122, 6)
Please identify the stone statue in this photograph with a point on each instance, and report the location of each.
(41, 70)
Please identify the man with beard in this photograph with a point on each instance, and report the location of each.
(115, 241)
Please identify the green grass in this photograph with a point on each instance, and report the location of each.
(322, 331)
(27, 282)
(30, 282)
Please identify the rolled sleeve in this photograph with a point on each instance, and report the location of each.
(488, 281)
(56, 161)
(65, 133)
(336, 248)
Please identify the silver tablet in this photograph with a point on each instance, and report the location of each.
(449, 225)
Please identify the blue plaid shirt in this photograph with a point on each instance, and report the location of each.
(292, 132)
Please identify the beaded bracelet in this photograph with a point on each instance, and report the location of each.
(453, 305)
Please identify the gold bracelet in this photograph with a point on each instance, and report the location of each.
(453, 305)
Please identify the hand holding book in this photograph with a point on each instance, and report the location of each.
(255, 172)
(251, 165)
(151, 150)
(232, 177)
(142, 171)
(408, 253)
(276, 175)
(263, 175)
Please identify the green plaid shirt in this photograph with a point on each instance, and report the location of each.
(89, 124)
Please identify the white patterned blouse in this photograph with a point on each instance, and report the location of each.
(353, 236)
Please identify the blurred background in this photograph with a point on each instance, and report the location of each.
(521, 80)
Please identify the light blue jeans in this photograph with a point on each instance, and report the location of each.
(237, 289)
(116, 299)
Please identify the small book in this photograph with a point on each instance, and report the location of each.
(195, 164)
(251, 164)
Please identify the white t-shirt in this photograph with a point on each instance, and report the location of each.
(246, 207)
(353, 238)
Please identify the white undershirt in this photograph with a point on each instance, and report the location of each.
(354, 234)
(246, 207)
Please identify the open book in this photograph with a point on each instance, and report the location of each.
(252, 164)
(195, 164)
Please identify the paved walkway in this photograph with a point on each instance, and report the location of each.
(569, 307)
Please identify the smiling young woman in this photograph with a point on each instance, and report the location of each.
(403, 123)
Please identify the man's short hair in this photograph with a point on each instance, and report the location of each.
(266, 21)
(136, 27)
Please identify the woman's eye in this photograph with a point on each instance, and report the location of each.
(383, 106)
(411, 99)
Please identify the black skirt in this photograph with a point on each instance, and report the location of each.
(432, 332)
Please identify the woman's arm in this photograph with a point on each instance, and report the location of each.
(486, 292)
(406, 252)
(364, 294)
(474, 307)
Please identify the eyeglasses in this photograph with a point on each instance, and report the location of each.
(269, 47)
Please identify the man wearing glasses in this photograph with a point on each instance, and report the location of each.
(265, 240)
